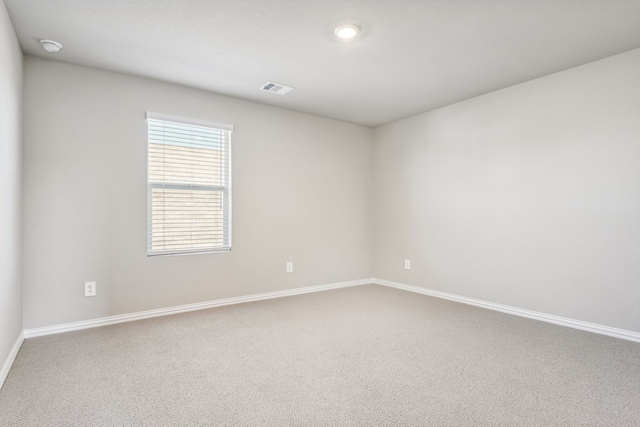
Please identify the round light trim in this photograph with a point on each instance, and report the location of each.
(51, 46)
(347, 31)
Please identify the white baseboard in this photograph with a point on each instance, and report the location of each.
(112, 320)
(74, 326)
(563, 321)
(10, 358)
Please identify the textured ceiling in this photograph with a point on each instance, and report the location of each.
(411, 55)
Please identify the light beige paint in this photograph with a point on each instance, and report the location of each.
(411, 56)
(10, 185)
(301, 193)
(529, 196)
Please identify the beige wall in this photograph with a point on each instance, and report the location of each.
(529, 196)
(10, 185)
(301, 193)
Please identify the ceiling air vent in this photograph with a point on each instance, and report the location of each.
(276, 88)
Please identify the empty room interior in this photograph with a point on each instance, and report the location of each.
(319, 213)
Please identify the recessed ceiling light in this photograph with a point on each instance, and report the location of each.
(347, 31)
(51, 46)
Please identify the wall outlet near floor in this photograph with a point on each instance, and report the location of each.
(289, 267)
(407, 264)
(89, 289)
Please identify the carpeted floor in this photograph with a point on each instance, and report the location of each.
(366, 355)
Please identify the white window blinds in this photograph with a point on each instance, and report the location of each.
(189, 186)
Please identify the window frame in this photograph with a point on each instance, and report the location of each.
(226, 190)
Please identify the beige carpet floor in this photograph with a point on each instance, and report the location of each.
(361, 356)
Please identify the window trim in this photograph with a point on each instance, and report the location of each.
(226, 190)
(188, 121)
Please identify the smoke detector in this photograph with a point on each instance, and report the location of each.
(276, 88)
(51, 46)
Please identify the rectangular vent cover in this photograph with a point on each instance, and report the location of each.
(276, 88)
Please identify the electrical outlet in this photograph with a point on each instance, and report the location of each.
(289, 267)
(89, 289)
(407, 264)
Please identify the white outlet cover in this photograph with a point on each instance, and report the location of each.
(407, 264)
(89, 289)
(289, 267)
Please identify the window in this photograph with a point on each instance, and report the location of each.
(189, 186)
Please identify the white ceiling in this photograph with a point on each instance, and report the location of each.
(411, 55)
